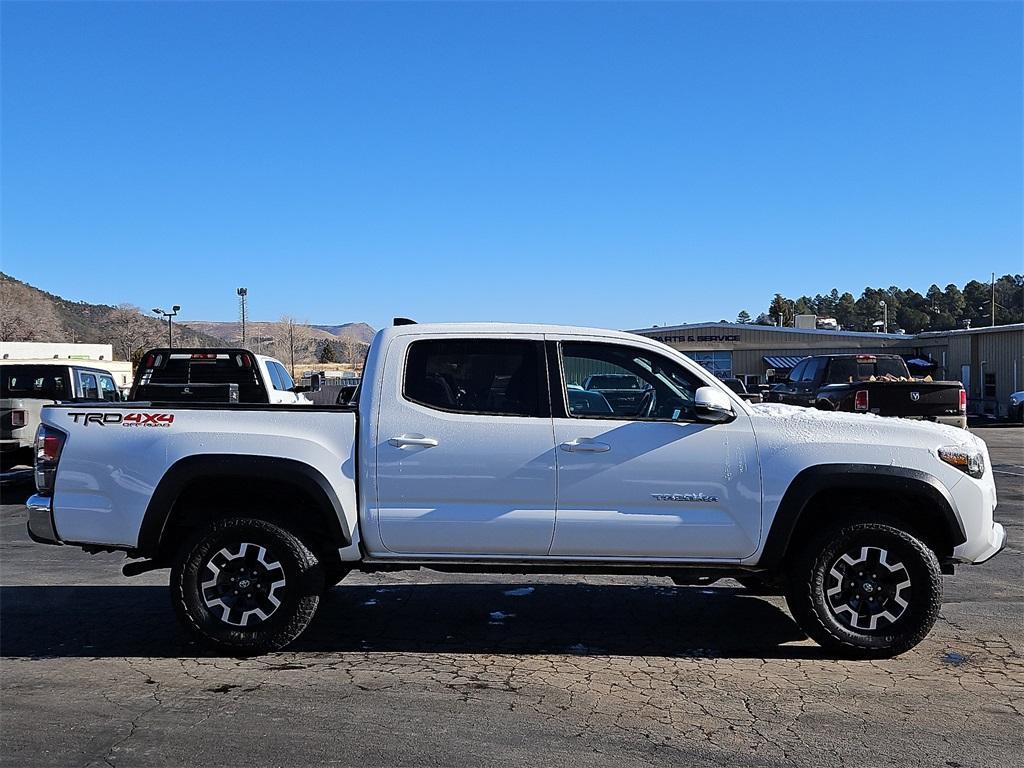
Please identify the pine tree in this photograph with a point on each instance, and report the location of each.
(327, 354)
(743, 318)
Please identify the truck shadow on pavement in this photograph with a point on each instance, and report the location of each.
(544, 618)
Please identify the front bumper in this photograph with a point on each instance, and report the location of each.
(40, 520)
(994, 545)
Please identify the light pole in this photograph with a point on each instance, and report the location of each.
(168, 315)
(885, 316)
(242, 294)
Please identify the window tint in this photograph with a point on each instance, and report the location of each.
(499, 376)
(46, 382)
(88, 388)
(286, 379)
(797, 372)
(845, 370)
(665, 389)
(109, 389)
(275, 378)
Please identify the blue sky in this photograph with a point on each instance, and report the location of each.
(612, 164)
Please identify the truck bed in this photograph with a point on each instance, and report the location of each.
(116, 455)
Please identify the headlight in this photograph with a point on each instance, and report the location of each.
(969, 460)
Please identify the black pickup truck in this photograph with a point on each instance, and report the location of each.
(871, 384)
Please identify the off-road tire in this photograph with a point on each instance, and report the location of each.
(298, 596)
(811, 578)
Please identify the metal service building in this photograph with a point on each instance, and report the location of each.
(989, 361)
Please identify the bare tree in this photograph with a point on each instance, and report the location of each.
(352, 351)
(294, 342)
(26, 315)
(130, 330)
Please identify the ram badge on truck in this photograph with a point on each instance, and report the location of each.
(467, 449)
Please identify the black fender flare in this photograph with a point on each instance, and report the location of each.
(214, 466)
(858, 477)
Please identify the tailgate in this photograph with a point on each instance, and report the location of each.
(914, 398)
(19, 418)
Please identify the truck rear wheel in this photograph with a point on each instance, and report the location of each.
(865, 590)
(243, 585)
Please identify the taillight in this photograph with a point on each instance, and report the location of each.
(17, 419)
(49, 444)
(963, 401)
(860, 400)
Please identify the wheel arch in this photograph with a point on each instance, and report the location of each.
(912, 496)
(209, 479)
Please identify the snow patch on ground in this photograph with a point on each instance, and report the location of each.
(519, 592)
(497, 616)
(370, 602)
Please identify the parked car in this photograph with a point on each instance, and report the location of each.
(27, 385)
(879, 384)
(1017, 406)
(465, 451)
(624, 392)
(587, 401)
(226, 375)
(737, 386)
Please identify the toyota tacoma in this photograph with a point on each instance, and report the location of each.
(464, 450)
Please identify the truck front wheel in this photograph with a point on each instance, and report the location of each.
(865, 589)
(244, 585)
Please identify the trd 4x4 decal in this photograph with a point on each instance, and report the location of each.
(125, 420)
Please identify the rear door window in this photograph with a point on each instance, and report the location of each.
(275, 377)
(283, 375)
(88, 386)
(499, 377)
(108, 389)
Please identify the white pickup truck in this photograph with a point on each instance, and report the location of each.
(474, 447)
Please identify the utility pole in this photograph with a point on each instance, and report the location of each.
(291, 345)
(885, 316)
(242, 294)
(993, 299)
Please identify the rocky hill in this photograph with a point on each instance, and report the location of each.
(231, 332)
(30, 314)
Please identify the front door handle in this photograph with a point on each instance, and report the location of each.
(585, 445)
(401, 441)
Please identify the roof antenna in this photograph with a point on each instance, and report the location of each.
(403, 321)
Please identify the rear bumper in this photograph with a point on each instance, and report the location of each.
(40, 520)
(953, 421)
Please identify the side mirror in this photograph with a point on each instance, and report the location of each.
(712, 405)
(316, 382)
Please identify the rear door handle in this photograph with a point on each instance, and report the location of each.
(585, 445)
(401, 441)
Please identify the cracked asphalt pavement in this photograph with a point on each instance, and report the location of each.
(419, 668)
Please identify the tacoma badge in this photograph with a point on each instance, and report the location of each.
(684, 497)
